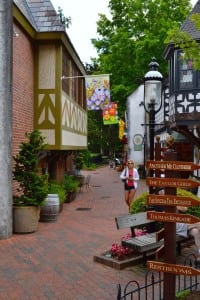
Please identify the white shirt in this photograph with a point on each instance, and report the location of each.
(125, 174)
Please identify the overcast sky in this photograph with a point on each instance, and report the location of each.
(84, 15)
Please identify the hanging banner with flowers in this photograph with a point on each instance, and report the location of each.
(97, 91)
(110, 114)
(121, 128)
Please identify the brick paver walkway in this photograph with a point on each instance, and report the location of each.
(56, 262)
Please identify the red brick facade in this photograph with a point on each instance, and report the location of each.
(23, 87)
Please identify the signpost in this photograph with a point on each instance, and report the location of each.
(171, 200)
(171, 268)
(172, 165)
(172, 182)
(170, 217)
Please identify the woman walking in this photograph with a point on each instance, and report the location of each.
(130, 177)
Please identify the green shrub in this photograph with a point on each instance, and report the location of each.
(140, 203)
(182, 294)
(71, 183)
(56, 188)
(32, 186)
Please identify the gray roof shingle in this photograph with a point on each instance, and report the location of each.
(41, 14)
(188, 25)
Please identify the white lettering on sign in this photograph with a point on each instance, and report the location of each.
(175, 183)
(170, 183)
(170, 166)
(169, 201)
(163, 217)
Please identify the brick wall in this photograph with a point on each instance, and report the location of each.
(23, 84)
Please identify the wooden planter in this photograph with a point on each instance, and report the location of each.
(25, 219)
(70, 197)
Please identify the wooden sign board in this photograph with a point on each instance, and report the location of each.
(172, 165)
(172, 268)
(160, 252)
(171, 200)
(160, 234)
(171, 217)
(172, 182)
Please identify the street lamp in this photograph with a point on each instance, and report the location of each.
(152, 100)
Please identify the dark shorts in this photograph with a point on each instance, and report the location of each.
(128, 188)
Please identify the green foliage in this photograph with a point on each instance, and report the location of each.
(126, 43)
(64, 20)
(78, 160)
(134, 33)
(184, 41)
(102, 138)
(140, 203)
(182, 294)
(56, 188)
(70, 184)
(32, 188)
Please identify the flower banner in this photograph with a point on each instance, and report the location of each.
(97, 91)
(110, 114)
(121, 128)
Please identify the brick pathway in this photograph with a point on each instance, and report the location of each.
(56, 262)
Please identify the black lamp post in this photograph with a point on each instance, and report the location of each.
(152, 100)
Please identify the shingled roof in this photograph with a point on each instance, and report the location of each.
(41, 14)
(188, 25)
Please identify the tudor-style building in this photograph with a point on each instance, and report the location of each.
(184, 87)
(48, 85)
(181, 98)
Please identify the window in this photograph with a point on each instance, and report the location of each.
(186, 72)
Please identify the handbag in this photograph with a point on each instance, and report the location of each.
(124, 180)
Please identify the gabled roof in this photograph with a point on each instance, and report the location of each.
(188, 26)
(41, 14)
(43, 17)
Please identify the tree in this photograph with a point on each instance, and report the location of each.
(184, 41)
(102, 138)
(32, 186)
(135, 33)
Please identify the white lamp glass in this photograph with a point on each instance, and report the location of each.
(153, 91)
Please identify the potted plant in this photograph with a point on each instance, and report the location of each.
(32, 186)
(78, 162)
(71, 185)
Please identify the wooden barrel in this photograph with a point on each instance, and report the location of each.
(50, 209)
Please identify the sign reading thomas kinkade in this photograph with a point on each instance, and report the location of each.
(97, 91)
